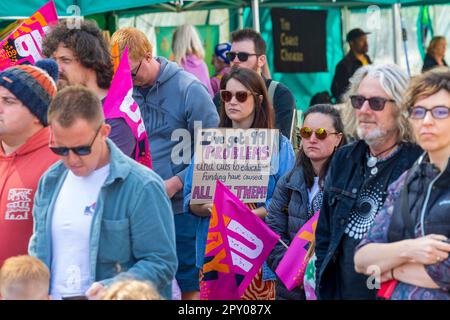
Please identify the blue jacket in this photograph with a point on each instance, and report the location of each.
(342, 185)
(132, 232)
(169, 110)
(288, 212)
(286, 161)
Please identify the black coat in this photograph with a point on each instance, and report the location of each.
(429, 63)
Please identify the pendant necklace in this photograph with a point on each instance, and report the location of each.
(373, 159)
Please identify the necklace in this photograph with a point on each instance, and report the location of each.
(373, 159)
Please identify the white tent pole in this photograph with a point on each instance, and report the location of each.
(241, 18)
(394, 33)
(255, 10)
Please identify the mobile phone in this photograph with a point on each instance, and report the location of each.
(446, 241)
(80, 297)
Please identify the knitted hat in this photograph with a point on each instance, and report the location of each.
(221, 51)
(34, 86)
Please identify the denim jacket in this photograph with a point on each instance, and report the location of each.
(132, 232)
(342, 185)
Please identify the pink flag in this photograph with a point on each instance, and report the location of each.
(238, 243)
(23, 45)
(291, 268)
(119, 103)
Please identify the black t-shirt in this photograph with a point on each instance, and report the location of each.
(371, 197)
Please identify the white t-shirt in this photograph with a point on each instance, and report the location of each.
(71, 228)
(314, 190)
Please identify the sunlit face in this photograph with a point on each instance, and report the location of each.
(439, 49)
(239, 112)
(141, 71)
(71, 71)
(314, 148)
(373, 126)
(433, 134)
(15, 117)
(81, 133)
(253, 62)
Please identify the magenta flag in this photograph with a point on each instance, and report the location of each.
(24, 44)
(238, 243)
(119, 103)
(292, 266)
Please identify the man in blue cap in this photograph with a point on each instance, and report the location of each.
(221, 64)
(355, 58)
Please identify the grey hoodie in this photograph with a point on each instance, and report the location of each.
(175, 101)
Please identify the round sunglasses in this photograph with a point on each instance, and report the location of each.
(242, 56)
(375, 103)
(241, 96)
(438, 112)
(321, 133)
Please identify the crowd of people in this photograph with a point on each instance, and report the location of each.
(80, 218)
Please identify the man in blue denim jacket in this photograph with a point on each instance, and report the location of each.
(99, 216)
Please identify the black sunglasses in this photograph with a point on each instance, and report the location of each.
(134, 74)
(321, 133)
(242, 56)
(79, 151)
(241, 96)
(438, 112)
(375, 103)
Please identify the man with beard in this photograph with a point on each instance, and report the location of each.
(355, 58)
(83, 58)
(358, 177)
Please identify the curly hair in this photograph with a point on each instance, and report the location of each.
(88, 45)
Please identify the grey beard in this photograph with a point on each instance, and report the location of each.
(372, 138)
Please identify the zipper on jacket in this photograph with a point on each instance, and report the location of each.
(424, 206)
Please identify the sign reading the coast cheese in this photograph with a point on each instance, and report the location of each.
(241, 159)
(299, 38)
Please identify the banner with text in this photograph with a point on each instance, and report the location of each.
(299, 38)
(23, 45)
(241, 159)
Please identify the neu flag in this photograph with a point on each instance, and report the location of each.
(291, 268)
(238, 243)
(23, 45)
(119, 103)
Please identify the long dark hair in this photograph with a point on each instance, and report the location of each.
(264, 116)
(303, 160)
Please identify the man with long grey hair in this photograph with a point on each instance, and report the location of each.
(359, 175)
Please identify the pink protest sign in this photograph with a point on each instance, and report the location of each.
(23, 45)
(119, 103)
(236, 250)
(292, 266)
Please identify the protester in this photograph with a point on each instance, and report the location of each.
(435, 56)
(359, 175)
(298, 194)
(169, 99)
(409, 239)
(24, 278)
(221, 64)
(355, 59)
(248, 50)
(131, 290)
(25, 93)
(84, 58)
(245, 105)
(189, 53)
(99, 215)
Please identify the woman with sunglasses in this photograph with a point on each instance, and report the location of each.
(245, 105)
(409, 242)
(298, 194)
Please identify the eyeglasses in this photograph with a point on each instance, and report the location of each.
(134, 74)
(321, 133)
(438, 112)
(79, 151)
(241, 96)
(242, 56)
(375, 103)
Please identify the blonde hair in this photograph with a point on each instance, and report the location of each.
(137, 42)
(131, 290)
(394, 82)
(186, 41)
(433, 44)
(24, 268)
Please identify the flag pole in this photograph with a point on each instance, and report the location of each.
(284, 244)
